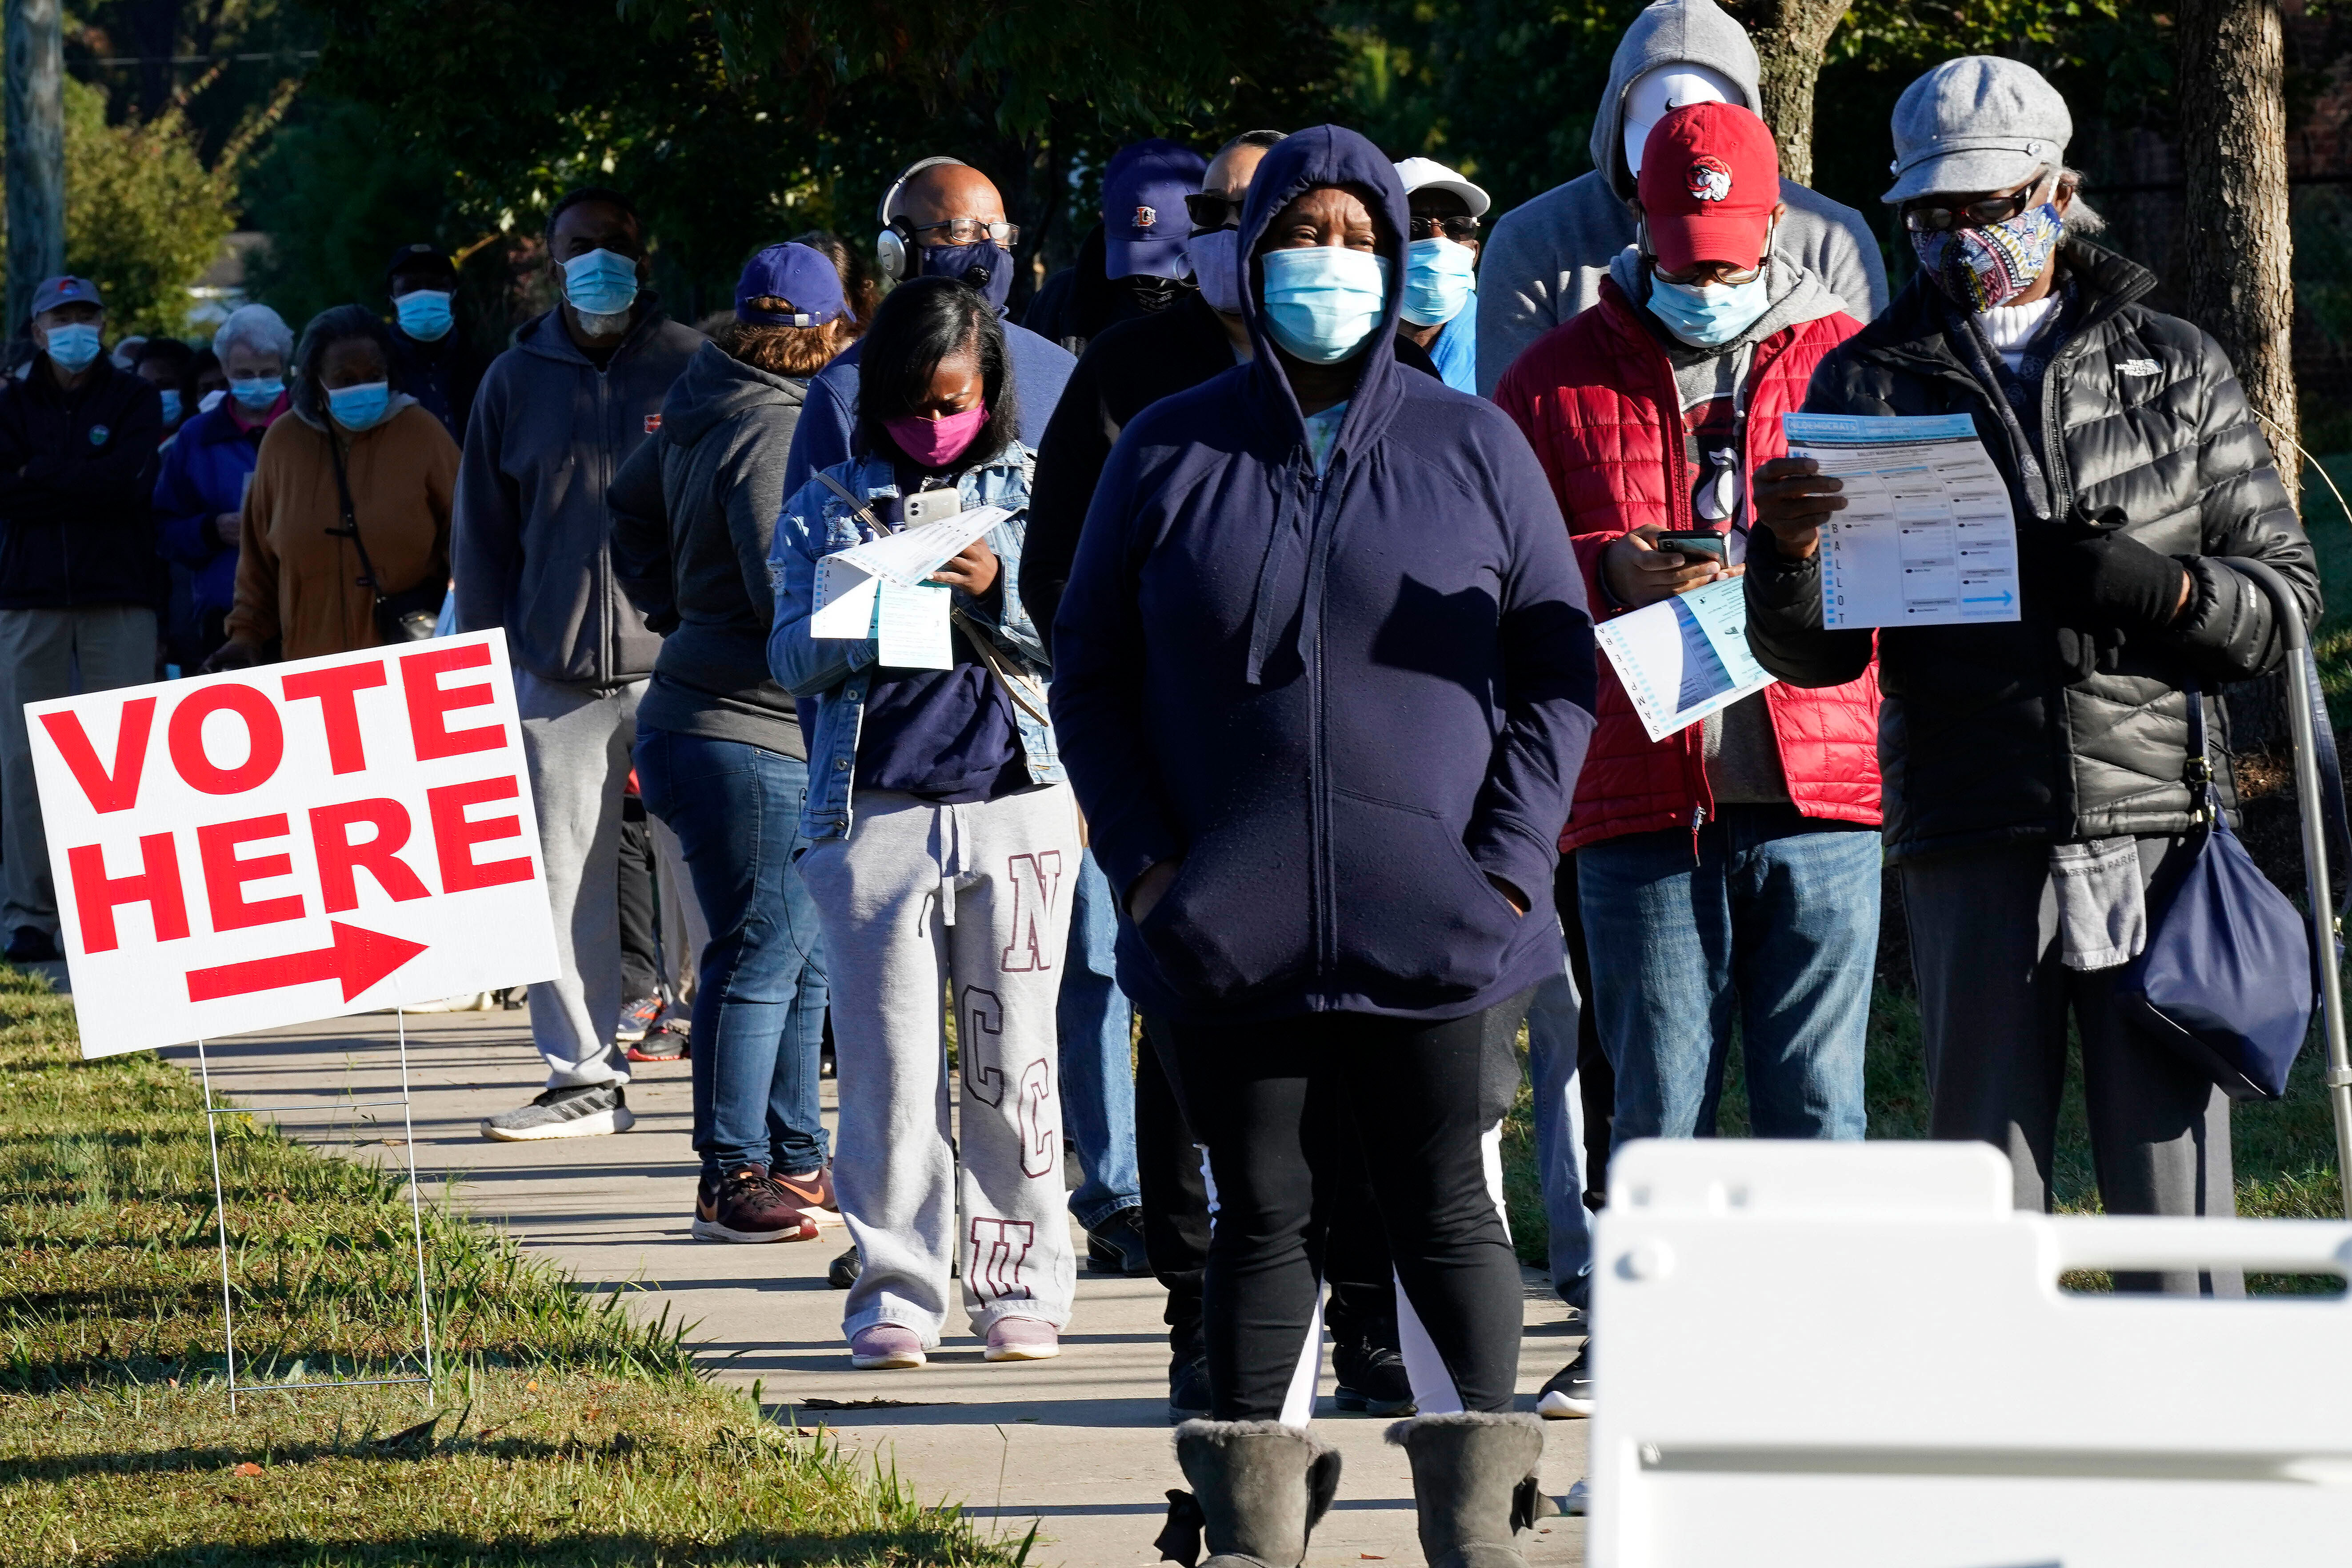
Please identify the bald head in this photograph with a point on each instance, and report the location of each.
(943, 193)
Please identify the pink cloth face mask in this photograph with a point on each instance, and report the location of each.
(935, 443)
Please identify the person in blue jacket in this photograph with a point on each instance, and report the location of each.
(1323, 678)
(200, 494)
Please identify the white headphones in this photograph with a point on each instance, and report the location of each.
(891, 246)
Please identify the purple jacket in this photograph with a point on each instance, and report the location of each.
(1344, 702)
(203, 475)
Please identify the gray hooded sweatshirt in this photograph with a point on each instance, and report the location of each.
(693, 513)
(1546, 259)
(531, 546)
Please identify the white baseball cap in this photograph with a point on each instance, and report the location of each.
(1429, 174)
(1660, 90)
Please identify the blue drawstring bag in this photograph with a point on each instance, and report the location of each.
(2227, 978)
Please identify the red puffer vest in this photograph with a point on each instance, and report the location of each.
(1596, 398)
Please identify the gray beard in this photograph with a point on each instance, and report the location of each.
(602, 326)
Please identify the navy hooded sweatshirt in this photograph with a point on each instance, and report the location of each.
(1343, 703)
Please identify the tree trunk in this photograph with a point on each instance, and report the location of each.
(2233, 152)
(35, 164)
(2232, 107)
(1791, 36)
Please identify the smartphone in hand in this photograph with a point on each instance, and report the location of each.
(1696, 547)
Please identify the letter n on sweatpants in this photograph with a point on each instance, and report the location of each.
(921, 901)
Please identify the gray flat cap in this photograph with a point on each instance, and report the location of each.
(1977, 123)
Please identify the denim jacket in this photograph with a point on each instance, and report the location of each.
(833, 671)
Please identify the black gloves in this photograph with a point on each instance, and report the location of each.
(2099, 577)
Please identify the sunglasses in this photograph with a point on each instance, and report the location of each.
(1460, 230)
(1975, 214)
(1212, 210)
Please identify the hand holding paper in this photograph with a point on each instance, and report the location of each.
(878, 589)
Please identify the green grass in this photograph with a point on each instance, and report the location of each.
(567, 1432)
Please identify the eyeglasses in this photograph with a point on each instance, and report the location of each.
(1212, 209)
(1460, 230)
(972, 230)
(1705, 271)
(1975, 214)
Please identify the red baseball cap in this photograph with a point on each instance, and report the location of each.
(1710, 176)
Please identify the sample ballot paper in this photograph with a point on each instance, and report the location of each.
(1685, 657)
(877, 590)
(1926, 538)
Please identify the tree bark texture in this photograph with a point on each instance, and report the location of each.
(1791, 36)
(36, 165)
(2233, 153)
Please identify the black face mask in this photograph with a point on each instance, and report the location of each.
(1152, 295)
(985, 269)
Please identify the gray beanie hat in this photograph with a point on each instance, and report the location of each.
(1977, 123)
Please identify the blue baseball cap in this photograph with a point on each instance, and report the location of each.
(65, 291)
(1144, 218)
(800, 278)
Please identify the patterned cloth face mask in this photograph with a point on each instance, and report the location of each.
(1980, 270)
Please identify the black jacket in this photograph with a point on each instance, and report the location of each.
(1132, 366)
(76, 481)
(2029, 730)
(442, 376)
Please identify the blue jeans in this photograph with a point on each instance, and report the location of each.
(1097, 1025)
(758, 1005)
(1764, 910)
(1559, 1131)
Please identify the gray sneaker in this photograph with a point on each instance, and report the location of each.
(581, 1112)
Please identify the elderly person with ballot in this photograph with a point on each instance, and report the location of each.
(2041, 796)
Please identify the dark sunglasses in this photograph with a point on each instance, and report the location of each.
(1460, 230)
(1208, 209)
(1975, 214)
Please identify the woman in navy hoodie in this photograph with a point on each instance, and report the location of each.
(1323, 680)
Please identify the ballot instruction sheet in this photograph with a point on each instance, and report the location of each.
(1685, 657)
(877, 589)
(1927, 537)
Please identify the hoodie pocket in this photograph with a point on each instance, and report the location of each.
(1229, 925)
(1419, 924)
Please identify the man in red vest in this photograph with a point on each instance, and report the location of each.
(1728, 872)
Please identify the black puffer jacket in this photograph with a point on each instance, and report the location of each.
(1988, 733)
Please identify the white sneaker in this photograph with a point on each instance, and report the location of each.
(579, 1113)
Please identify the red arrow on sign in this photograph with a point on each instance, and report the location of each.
(358, 958)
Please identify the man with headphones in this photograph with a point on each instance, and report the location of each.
(941, 219)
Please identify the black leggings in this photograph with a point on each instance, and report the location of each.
(1289, 1110)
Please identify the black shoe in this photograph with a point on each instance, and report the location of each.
(1569, 1392)
(1116, 1245)
(1372, 1379)
(30, 944)
(1188, 1389)
(843, 1271)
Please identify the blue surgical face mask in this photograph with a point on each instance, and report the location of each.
(1323, 301)
(257, 392)
(171, 405)
(601, 284)
(1216, 259)
(1437, 281)
(1709, 315)
(74, 345)
(359, 407)
(424, 314)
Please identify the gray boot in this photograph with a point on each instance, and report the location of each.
(1259, 1488)
(1473, 1485)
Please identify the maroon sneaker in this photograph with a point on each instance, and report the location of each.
(813, 1191)
(744, 1204)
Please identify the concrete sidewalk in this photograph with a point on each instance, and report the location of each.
(1079, 1444)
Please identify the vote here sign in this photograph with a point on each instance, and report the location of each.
(292, 842)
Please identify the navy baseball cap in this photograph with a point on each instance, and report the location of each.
(67, 290)
(420, 258)
(803, 278)
(1144, 223)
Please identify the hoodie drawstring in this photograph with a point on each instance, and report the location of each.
(1271, 609)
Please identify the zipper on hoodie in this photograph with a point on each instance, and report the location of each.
(1325, 920)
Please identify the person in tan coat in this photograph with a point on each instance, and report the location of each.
(299, 576)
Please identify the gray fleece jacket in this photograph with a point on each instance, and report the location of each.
(693, 513)
(1546, 259)
(532, 543)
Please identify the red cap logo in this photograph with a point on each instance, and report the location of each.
(1709, 178)
(1145, 217)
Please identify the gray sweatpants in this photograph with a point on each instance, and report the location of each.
(975, 899)
(45, 654)
(1993, 1003)
(576, 742)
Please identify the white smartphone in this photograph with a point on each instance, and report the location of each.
(930, 506)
